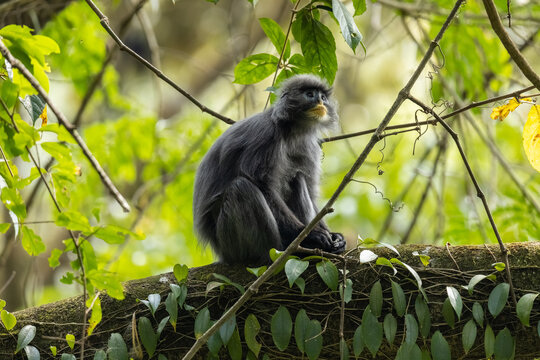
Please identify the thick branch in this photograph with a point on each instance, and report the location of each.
(55, 320)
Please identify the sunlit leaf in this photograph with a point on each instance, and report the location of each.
(8, 319)
(367, 256)
(180, 272)
(501, 112)
(531, 137)
(276, 35)
(70, 339)
(96, 314)
(32, 353)
(255, 68)
(349, 30)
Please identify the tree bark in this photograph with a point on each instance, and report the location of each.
(449, 266)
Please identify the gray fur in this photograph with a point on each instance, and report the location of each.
(256, 187)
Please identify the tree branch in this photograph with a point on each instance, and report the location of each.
(512, 49)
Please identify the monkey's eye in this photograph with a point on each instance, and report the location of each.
(323, 97)
(310, 94)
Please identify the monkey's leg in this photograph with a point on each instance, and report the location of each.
(302, 204)
(245, 228)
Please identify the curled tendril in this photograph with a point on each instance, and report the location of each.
(394, 208)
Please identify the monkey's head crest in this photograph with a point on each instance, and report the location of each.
(305, 100)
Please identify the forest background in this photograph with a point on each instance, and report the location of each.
(149, 138)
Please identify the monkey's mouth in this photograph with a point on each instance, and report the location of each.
(319, 111)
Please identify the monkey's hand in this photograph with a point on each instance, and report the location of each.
(320, 238)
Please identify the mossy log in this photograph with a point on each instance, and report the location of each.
(449, 266)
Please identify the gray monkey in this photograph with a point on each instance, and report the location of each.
(256, 187)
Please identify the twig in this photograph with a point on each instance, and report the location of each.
(6, 160)
(512, 49)
(479, 192)
(105, 23)
(69, 127)
(451, 257)
(403, 94)
(472, 105)
(342, 309)
(423, 198)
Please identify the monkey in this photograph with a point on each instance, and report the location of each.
(255, 189)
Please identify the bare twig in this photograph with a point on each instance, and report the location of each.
(69, 127)
(479, 192)
(472, 105)
(403, 94)
(105, 23)
(512, 49)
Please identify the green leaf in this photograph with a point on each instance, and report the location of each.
(412, 329)
(214, 343)
(104, 280)
(31, 242)
(171, 306)
(276, 35)
(13, 201)
(347, 294)
(294, 268)
(100, 355)
(255, 68)
(96, 315)
(4, 228)
(162, 325)
(117, 349)
(455, 300)
(54, 259)
(424, 259)
(301, 324)
(317, 43)
(235, 346)
(440, 350)
(73, 220)
(372, 331)
(314, 340)
(146, 333)
(478, 314)
(524, 307)
(27, 334)
(359, 7)
(390, 328)
(113, 234)
(423, 315)
(343, 350)
(202, 322)
(400, 303)
(32, 353)
(251, 329)
(499, 266)
(257, 271)
(376, 299)
(358, 341)
(53, 350)
(474, 280)
(57, 150)
(469, 335)
(180, 273)
(349, 30)
(227, 281)
(409, 351)
(70, 339)
(2, 304)
(448, 313)
(68, 357)
(180, 293)
(413, 273)
(328, 273)
(281, 327)
(504, 345)
(301, 283)
(8, 319)
(497, 299)
(226, 330)
(489, 342)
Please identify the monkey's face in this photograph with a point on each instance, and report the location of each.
(317, 105)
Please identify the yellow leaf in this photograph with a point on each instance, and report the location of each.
(531, 137)
(43, 116)
(501, 112)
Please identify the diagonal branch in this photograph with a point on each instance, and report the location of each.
(512, 49)
(403, 94)
(479, 192)
(105, 23)
(69, 127)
